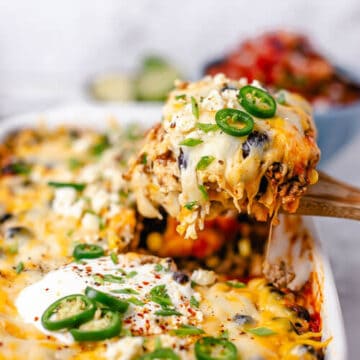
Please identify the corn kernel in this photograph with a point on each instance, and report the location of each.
(313, 176)
(154, 241)
(244, 247)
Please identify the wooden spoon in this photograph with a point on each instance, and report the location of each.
(331, 197)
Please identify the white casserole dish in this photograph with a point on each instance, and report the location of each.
(95, 116)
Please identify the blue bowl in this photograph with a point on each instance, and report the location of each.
(337, 126)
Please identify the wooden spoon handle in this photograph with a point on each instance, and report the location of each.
(326, 207)
(330, 197)
(331, 188)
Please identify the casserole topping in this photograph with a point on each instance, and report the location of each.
(199, 315)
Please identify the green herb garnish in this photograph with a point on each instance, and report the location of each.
(224, 334)
(194, 303)
(191, 142)
(159, 295)
(143, 159)
(185, 330)
(190, 205)
(123, 194)
(204, 192)
(20, 168)
(180, 97)
(167, 312)
(161, 353)
(13, 248)
(135, 301)
(131, 274)
(98, 279)
(19, 267)
(127, 291)
(261, 331)
(114, 258)
(204, 162)
(159, 267)
(113, 279)
(207, 127)
(236, 284)
(102, 224)
(194, 107)
(101, 146)
(74, 163)
(76, 186)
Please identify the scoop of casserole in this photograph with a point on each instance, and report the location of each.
(225, 144)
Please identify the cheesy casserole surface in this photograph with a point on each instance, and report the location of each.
(70, 288)
(200, 162)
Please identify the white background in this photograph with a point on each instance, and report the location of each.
(50, 49)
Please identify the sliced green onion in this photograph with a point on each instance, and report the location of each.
(185, 330)
(161, 353)
(76, 186)
(204, 162)
(180, 97)
(19, 168)
(121, 271)
(101, 146)
(204, 192)
(190, 205)
(229, 119)
(131, 274)
(98, 279)
(143, 159)
(135, 301)
(236, 284)
(123, 194)
(167, 312)
(13, 248)
(261, 331)
(158, 267)
(113, 279)
(102, 223)
(159, 295)
(194, 303)
(191, 142)
(207, 127)
(224, 334)
(19, 267)
(74, 163)
(194, 107)
(257, 102)
(114, 258)
(125, 291)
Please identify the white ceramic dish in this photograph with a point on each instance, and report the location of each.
(95, 116)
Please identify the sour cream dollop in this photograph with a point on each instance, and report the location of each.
(134, 274)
